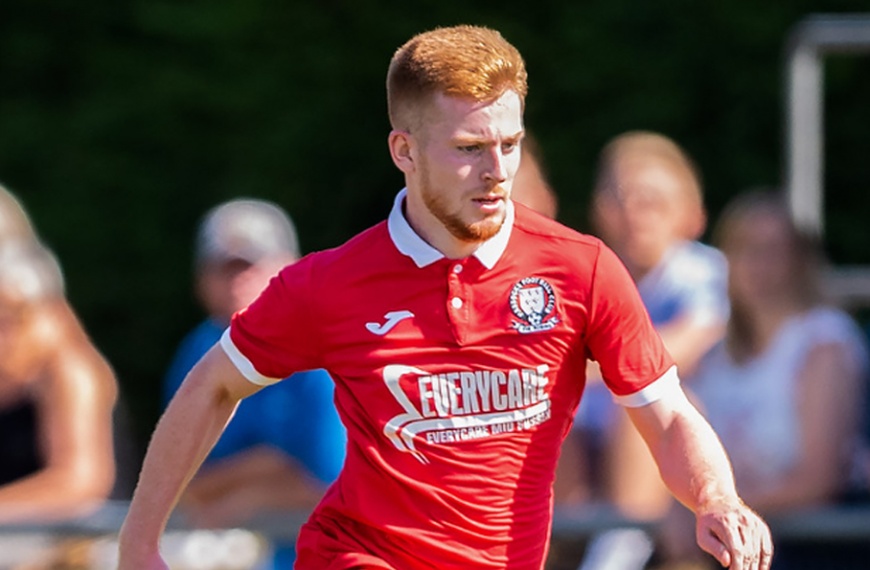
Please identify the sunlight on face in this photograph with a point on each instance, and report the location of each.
(468, 156)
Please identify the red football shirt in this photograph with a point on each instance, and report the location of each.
(457, 381)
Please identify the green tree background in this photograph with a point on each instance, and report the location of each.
(122, 121)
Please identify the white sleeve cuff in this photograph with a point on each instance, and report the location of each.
(667, 383)
(242, 363)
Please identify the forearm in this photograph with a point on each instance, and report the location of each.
(696, 470)
(690, 457)
(183, 437)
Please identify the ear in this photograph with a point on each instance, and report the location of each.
(401, 145)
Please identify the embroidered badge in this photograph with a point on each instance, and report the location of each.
(532, 300)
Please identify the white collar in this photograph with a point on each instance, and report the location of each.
(409, 243)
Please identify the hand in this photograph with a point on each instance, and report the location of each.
(735, 535)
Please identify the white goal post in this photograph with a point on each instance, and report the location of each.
(809, 42)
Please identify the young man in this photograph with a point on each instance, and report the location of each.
(457, 333)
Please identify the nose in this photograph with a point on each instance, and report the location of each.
(495, 169)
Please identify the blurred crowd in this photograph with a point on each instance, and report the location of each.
(779, 370)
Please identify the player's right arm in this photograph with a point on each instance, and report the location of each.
(185, 434)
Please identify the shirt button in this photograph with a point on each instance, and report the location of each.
(457, 268)
(456, 302)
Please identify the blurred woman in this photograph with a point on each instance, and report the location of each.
(784, 388)
(57, 393)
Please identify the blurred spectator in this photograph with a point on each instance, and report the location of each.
(531, 187)
(285, 444)
(648, 207)
(14, 222)
(784, 389)
(57, 392)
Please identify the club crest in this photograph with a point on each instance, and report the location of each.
(532, 300)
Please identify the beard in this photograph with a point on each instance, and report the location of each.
(463, 230)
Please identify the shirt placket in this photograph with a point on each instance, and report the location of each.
(459, 299)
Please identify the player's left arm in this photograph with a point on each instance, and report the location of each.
(696, 469)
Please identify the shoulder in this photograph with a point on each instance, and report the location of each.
(72, 360)
(533, 232)
(831, 325)
(828, 317)
(536, 226)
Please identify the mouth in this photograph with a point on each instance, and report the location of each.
(489, 200)
(490, 204)
(492, 198)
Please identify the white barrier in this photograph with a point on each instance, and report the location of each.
(90, 541)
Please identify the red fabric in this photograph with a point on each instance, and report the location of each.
(455, 415)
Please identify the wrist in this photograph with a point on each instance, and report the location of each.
(710, 498)
(137, 544)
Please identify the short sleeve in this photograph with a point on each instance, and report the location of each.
(621, 337)
(275, 336)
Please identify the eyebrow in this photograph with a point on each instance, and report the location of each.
(467, 138)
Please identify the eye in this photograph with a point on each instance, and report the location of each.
(509, 147)
(470, 148)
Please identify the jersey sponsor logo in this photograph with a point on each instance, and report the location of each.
(531, 301)
(393, 318)
(464, 405)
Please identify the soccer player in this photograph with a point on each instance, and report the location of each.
(457, 332)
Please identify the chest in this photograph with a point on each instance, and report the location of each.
(456, 345)
(457, 313)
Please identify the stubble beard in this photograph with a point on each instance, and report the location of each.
(470, 232)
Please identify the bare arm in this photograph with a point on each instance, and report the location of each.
(189, 428)
(695, 468)
(75, 392)
(632, 482)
